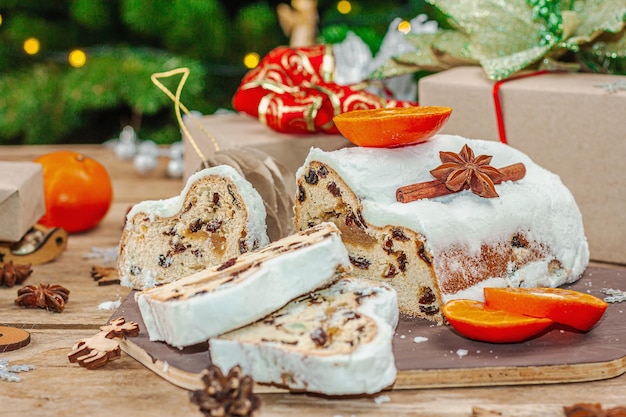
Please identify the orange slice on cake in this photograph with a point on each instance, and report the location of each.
(572, 308)
(475, 320)
(392, 127)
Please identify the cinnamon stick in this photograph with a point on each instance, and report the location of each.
(436, 188)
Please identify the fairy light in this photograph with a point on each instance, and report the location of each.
(77, 58)
(251, 60)
(344, 6)
(32, 46)
(404, 27)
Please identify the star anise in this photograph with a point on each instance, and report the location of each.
(593, 410)
(463, 171)
(226, 395)
(11, 274)
(49, 297)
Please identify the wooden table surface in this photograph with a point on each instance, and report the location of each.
(124, 387)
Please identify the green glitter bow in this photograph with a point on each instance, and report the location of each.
(505, 36)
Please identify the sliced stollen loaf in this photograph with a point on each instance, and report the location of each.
(217, 216)
(243, 289)
(334, 341)
(445, 247)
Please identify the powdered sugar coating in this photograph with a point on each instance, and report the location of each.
(539, 205)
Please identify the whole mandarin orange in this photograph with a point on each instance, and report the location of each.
(77, 190)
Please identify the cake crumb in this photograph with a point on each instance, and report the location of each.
(110, 305)
(381, 399)
(419, 339)
(108, 255)
(462, 352)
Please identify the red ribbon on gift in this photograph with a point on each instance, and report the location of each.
(496, 100)
(291, 91)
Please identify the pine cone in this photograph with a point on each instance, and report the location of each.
(226, 396)
(11, 274)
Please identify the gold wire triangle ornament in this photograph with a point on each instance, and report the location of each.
(178, 106)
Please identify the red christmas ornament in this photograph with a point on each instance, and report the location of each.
(291, 91)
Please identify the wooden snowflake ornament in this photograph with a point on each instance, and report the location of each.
(105, 275)
(9, 372)
(100, 349)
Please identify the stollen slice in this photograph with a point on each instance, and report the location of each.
(334, 341)
(243, 289)
(218, 215)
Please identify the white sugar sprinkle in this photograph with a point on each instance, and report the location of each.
(109, 305)
(382, 399)
(462, 352)
(108, 255)
(419, 339)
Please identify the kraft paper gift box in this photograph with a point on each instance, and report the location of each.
(234, 130)
(21, 199)
(573, 124)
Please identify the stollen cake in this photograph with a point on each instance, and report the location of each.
(334, 341)
(217, 216)
(243, 289)
(436, 249)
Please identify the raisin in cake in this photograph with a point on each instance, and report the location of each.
(218, 215)
(243, 289)
(436, 249)
(334, 341)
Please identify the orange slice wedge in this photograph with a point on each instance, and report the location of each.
(475, 320)
(572, 308)
(392, 127)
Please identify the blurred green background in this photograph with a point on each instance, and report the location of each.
(46, 100)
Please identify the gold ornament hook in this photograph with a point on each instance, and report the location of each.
(178, 106)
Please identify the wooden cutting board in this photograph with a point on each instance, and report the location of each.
(429, 356)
